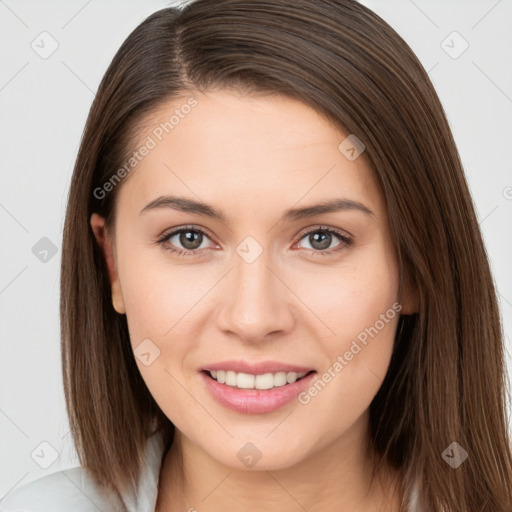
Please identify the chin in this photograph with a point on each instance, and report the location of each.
(260, 455)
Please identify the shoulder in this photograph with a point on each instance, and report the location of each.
(71, 489)
(75, 490)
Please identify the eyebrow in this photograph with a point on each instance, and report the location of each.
(188, 205)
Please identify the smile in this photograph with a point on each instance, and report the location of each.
(255, 394)
(263, 381)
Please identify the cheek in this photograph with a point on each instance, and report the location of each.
(352, 296)
(359, 313)
(159, 300)
(163, 310)
(158, 294)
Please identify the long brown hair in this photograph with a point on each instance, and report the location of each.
(446, 381)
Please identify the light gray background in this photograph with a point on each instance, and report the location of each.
(43, 108)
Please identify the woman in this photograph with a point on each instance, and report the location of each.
(275, 293)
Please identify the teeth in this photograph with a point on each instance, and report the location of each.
(248, 381)
(230, 378)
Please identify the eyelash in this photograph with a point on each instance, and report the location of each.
(346, 240)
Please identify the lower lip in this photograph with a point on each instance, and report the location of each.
(254, 401)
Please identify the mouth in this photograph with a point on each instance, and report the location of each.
(255, 393)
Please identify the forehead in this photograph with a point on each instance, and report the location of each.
(257, 150)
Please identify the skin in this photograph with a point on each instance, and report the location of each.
(254, 157)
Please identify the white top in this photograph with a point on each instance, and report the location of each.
(73, 490)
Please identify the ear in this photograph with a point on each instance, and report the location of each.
(105, 243)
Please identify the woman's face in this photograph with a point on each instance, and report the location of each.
(261, 281)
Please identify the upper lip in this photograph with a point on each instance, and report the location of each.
(256, 368)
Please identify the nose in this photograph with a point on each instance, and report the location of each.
(256, 301)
